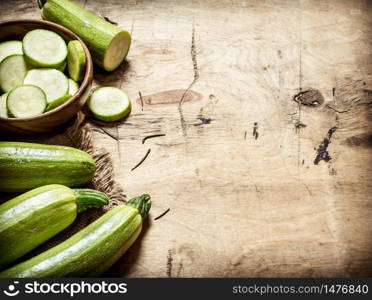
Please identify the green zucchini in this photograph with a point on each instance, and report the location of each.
(108, 43)
(109, 104)
(92, 250)
(24, 166)
(44, 48)
(32, 218)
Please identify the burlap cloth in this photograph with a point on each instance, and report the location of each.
(79, 134)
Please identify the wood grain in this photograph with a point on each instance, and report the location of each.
(237, 165)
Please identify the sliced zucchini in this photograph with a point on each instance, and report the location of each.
(62, 67)
(57, 102)
(26, 101)
(109, 104)
(12, 71)
(3, 109)
(53, 82)
(9, 48)
(73, 87)
(76, 60)
(44, 48)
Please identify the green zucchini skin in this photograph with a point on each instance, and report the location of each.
(93, 30)
(24, 166)
(92, 250)
(32, 218)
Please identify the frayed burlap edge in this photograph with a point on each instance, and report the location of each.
(80, 134)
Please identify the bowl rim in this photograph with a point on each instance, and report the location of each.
(87, 80)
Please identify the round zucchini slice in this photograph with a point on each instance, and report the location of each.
(26, 101)
(44, 48)
(109, 104)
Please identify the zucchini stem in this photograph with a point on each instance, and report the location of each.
(142, 203)
(88, 198)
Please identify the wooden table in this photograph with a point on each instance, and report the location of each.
(266, 106)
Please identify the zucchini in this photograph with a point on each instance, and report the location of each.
(76, 60)
(53, 82)
(3, 108)
(62, 67)
(26, 101)
(109, 104)
(9, 48)
(24, 166)
(44, 48)
(92, 250)
(32, 218)
(73, 87)
(13, 69)
(108, 44)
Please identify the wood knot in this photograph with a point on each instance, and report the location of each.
(311, 97)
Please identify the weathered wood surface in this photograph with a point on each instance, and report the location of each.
(257, 183)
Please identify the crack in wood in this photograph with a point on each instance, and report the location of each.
(169, 263)
(300, 90)
(118, 144)
(299, 126)
(141, 98)
(255, 133)
(108, 133)
(336, 110)
(322, 151)
(195, 78)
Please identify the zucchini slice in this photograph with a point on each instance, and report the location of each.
(26, 101)
(53, 82)
(9, 48)
(44, 48)
(73, 87)
(62, 67)
(3, 108)
(109, 104)
(76, 60)
(12, 71)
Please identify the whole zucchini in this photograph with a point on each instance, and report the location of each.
(108, 43)
(93, 249)
(24, 166)
(32, 218)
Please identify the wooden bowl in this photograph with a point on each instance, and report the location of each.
(54, 118)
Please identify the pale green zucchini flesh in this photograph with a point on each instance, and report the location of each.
(44, 48)
(12, 71)
(108, 44)
(3, 107)
(76, 60)
(26, 101)
(109, 104)
(53, 82)
(73, 87)
(8, 48)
